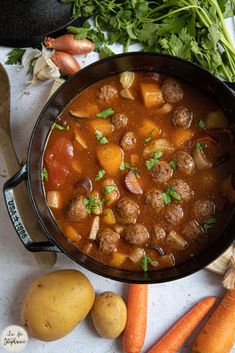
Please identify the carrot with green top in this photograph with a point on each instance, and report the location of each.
(137, 306)
(218, 334)
(177, 335)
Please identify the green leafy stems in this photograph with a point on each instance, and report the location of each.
(192, 29)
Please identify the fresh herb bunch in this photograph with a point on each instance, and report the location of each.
(192, 29)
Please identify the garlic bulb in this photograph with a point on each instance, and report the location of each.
(44, 68)
(29, 56)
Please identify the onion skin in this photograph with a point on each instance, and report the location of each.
(69, 44)
(65, 62)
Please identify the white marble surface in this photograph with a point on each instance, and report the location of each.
(167, 302)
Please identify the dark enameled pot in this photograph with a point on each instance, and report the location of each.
(31, 171)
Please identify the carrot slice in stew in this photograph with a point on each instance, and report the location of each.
(149, 129)
(110, 157)
(180, 136)
(152, 95)
(102, 125)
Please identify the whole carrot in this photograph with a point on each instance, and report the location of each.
(137, 306)
(218, 334)
(175, 337)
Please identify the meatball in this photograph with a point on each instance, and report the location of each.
(203, 209)
(192, 230)
(161, 172)
(126, 211)
(136, 234)
(154, 198)
(128, 141)
(174, 214)
(158, 233)
(119, 120)
(107, 92)
(182, 189)
(172, 91)
(182, 117)
(184, 162)
(108, 240)
(76, 209)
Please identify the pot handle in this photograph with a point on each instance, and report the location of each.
(231, 85)
(15, 217)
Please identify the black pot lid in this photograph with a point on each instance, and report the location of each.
(25, 23)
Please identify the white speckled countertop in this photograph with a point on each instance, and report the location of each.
(167, 302)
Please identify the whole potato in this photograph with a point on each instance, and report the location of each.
(109, 315)
(55, 303)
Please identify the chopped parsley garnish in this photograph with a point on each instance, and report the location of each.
(92, 203)
(209, 223)
(149, 137)
(60, 127)
(145, 261)
(200, 145)
(105, 113)
(44, 174)
(109, 188)
(172, 164)
(100, 174)
(201, 124)
(15, 56)
(102, 139)
(169, 194)
(125, 165)
(154, 160)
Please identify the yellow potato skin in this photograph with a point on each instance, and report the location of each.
(109, 315)
(55, 303)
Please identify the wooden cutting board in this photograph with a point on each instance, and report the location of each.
(218, 266)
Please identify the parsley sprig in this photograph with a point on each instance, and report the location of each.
(101, 173)
(109, 188)
(14, 56)
(200, 145)
(60, 127)
(149, 137)
(145, 261)
(105, 113)
(172, 164)
(102, 139)
(169, 194)
(125, 165)
(92, 203)
(154, 159)
(209, 223)
(44, 174)
(194, 30)
(201, 124)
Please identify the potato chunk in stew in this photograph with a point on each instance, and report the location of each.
(139, 166)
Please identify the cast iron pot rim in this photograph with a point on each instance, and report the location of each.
(187, 270)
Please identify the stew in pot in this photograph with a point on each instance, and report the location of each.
(138, 171)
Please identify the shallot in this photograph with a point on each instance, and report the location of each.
(67, 64)
(69, 44)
